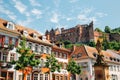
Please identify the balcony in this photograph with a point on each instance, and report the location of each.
(4, 64)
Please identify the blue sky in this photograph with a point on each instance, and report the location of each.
(41, 15)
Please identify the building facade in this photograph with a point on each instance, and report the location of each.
(79, 33)
(86, 56)
(62, 55)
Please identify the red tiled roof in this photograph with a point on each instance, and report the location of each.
(62, 49)
(3, 27)
(18, 30)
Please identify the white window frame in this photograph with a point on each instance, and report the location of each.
(6, 40)
(41, 77)
(35, 76)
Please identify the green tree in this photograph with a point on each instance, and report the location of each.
(52, 64)
(25, 60)
(115, 45)
(97, 29)
(107, 29)
(73, 68)
(106, 44)
(67, 43)
(92, 44)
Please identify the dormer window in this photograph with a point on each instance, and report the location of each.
(34, 35)
(94, 54)
(25, 33)
(79, 55)
(10, 25)
(73, 56)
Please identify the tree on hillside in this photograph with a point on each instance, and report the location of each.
(107, 29)
(116, 30)
(26, 60)
(52, 63)
(92, 44)
(73, 68)
(115, 45)
(106, 44)
(97, 29)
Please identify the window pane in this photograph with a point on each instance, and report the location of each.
(6, 40)
(35, 77)
(41, 76)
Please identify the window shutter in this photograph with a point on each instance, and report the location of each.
(0, 40)
(16, 43)
(10, 40)
(3, 40)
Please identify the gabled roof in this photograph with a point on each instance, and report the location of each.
(91, 52)
(79, 52)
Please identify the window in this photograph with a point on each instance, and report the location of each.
(42, 63)
(20, 77)
(42, 49)
(65, 77)
(47, 50)
(118, 68)
(13, 41)
(10, 25)
(94, 54)
(6, 40)
(57, 78)
(12, 57)
(114, 68)
(25, 33)
(61, 77)
(65, 65)
(34, 35)
(35, 76)
(28, 77)
(46, 76)
(30, 45)
(60, 55)
(41, 76)
(79, 55)
(4, 57)
(56, 54)
(36, 48)
(73, 56)
(65, 56)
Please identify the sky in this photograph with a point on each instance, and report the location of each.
(42, 15)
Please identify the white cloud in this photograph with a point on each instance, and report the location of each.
(86, 10)
(10, 14)
(35, 3)
(85, 19)
(37, 13)
(20, 6)
(68, 19)
(100, 14)
(25, 22)
(54, 18)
